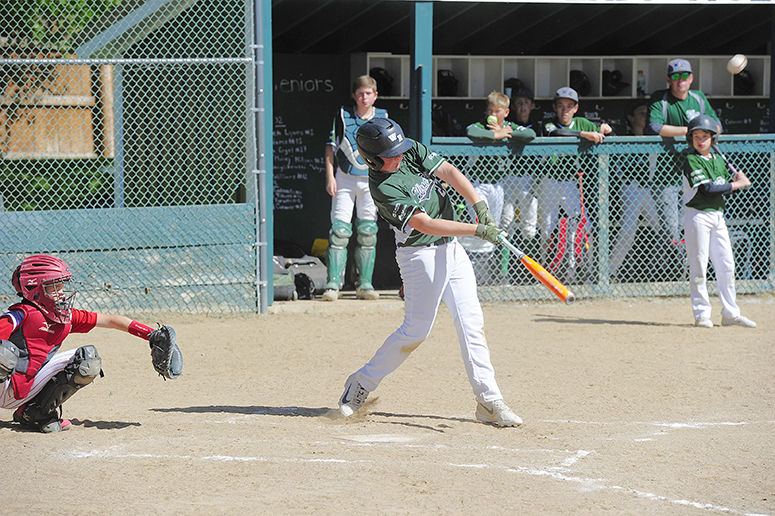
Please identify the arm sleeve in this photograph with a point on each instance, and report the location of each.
(83, 321)
(477, 131)
(656, 119)
(713, 189)
(334, 134)
(553, 130)
(522, 134)
(6, 327)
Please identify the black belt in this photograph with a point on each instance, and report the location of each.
(440, 241)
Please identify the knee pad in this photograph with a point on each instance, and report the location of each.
(85, 365)
(340, 234)
(81, 370)
(366, 232)
(9, 357)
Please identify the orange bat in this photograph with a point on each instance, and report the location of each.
(541, 274)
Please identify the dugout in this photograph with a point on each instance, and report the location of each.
(470, 48)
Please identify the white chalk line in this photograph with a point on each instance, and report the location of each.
(595, 484)
(115, 454)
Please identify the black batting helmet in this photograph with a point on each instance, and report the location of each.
(381, 138)
(705, 123)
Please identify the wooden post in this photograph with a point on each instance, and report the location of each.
(106, 103)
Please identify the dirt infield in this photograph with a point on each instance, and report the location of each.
(628, 409)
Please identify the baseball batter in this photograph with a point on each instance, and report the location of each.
(34, 378)
(705, 183)
(406, 183)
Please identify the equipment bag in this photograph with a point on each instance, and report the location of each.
(310, 275)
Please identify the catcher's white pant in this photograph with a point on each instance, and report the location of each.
(352, 191)
(52, 367)
(707, 237)
(430, 275)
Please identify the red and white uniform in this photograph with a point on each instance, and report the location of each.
(39, 340)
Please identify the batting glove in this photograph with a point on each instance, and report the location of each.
(483, 215)
(489, 233)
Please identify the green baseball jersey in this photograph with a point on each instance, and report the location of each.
(411, 189)
(478, 131)
(669, 110)
(578, 123)
(700, 169)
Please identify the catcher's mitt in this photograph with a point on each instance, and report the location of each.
(165, 353)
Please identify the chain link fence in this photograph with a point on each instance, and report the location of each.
(125, 142)
(127, 148)
(607, 220)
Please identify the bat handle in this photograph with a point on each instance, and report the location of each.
(729, 165)
(511, 247)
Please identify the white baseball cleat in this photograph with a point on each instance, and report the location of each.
(330, 294)
(353, 398)
(738, 321)
(369, 294)
(497, 413)
(704, 322)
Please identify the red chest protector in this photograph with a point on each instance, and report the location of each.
(38, 339)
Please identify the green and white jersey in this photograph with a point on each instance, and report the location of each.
(479, 132)
(700, 169)
(669, 110)
(578, 123)
(410, 189)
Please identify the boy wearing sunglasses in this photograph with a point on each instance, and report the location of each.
(673, 109)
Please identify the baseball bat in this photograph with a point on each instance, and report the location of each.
(729, 165)
(541, 274)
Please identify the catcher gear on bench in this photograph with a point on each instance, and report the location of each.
(381, 138)
(165, 353)
(46, 282)
(705, 123)
(9, 357)
(80, 371)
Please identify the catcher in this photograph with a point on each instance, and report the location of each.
(35, 379)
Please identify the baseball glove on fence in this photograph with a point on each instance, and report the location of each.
(165, 353)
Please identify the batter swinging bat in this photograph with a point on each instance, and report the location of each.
(541, 274)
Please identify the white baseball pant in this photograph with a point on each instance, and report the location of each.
(49, 369)
(638, 200)
(430, 275)
(707, 237)
(352, 192)
(518, 193)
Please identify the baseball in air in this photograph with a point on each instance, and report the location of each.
(737, 63)
(492, 119)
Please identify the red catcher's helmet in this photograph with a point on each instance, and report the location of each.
(46, 282)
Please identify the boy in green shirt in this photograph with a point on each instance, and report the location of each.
(501, 190)
(558, 188)
(705, 183)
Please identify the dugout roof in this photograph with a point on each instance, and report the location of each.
(525, 28)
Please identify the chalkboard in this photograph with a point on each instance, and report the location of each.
(307, 91)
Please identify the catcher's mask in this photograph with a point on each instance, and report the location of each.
(381, 138)
(706, 123)
(46, 282)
